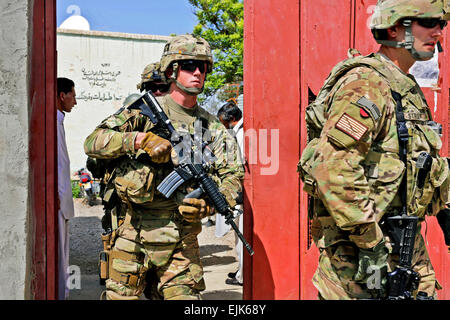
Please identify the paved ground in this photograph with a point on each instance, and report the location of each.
(217, 255)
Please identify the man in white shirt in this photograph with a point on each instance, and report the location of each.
(65, 101)
(231, 117)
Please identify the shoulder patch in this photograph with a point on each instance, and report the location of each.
(351, 127)
(370, 107)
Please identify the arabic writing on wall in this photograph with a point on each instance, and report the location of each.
(99, 79)
(99, 95)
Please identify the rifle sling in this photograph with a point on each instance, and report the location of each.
(403, 136)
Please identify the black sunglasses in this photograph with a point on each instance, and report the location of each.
(431, 23)
(192, 65)
(153, 87)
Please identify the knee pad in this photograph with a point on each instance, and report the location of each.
(180, 292)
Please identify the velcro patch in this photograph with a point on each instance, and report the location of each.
(370, 107)
(352, 127)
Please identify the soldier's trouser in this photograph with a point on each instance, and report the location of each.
(165, 245)
(339, 263)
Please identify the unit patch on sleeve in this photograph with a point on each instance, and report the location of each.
(351, 127)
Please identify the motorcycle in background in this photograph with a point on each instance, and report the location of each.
(86, 186)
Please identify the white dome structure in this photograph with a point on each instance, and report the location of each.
(76, 21)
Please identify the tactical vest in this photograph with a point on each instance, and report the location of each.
(383, 166)
(136, 177)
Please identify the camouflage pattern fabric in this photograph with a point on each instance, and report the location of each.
(186, 47)
(339, 263)
(155, 233)
(151, 73)
(356, 171)
(388, 12)
(446, 10)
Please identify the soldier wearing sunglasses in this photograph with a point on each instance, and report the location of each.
(363, 163)
(157, 241)
(152, 80)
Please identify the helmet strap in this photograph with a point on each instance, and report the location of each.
(189, 91)
(408, 44)
(409, 41)
(439, 46)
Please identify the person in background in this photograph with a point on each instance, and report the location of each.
(231, 117)
(153, 80)
(65, 101)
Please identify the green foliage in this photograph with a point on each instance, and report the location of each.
(75, 189)
(221, 23)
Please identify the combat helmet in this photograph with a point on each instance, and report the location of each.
(151, 73)
(130, 99)
(388, 13)
(185, 47)
(446, 9)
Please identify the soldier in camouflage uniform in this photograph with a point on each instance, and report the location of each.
(353, 170)
(159, 235)
(153, 80)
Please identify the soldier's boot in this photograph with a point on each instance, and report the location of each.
(111, 295)
(180, 292)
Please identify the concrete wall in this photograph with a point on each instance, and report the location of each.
(106, 68)
(14, 160)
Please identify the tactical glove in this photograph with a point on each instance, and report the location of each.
(194, 210)
(372, 263)
(158, 149)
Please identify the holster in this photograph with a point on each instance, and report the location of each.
(130, 279)
(103, 263)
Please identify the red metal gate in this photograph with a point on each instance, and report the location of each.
(43, 163)
(290, 47)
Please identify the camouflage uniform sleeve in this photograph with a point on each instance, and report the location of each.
(350, 129)
(228, 167)
(115, 136)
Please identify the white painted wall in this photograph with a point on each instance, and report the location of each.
(106, 67)
(14, 160)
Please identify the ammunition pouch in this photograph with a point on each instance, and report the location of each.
(429, 174)
(134, 182)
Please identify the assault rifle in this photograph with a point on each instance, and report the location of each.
(188, 169)
(403, 281)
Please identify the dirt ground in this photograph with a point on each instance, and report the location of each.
(217, 255)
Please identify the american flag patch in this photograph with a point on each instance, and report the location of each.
(352, 127)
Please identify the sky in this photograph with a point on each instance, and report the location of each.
(155, 17)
